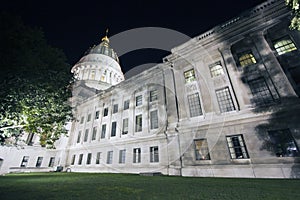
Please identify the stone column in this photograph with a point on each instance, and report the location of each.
(274, 70)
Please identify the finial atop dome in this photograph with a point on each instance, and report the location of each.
(105, 38)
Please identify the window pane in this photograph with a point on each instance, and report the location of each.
(103, 131)
(283, 143)
(89, 117)
(138, 123)
(115, 108)
(98, 157)
(39, 162)
(24, 161)
(79, 137)
(153, 95)
(126, 104)
(73, 160)
(247, 59)
(189, 76)
(154, 119)
(105, 112)
(194, 105)
(216, 69)
(201, 149)
(237, 147)
(113, 129)
(225, 100)
(125, 126)
(122, 154)
(137, 155)
(89, 158)
(97, 115)
(154, 156)
(139, 100)
(51, 162)
(86, 135)
(80, 159)
(285, 45)
(94, 133)
(109, 157)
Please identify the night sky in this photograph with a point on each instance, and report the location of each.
(74, 26)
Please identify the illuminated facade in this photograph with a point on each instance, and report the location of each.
(224, 104)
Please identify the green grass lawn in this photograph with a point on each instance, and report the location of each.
(88, 186)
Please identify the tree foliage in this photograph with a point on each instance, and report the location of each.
(35, 84)
(295, 22)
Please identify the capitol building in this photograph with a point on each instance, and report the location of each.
(223, 104)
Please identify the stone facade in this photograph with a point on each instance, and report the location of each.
(224, 104)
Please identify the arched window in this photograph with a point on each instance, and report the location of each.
(284, 46)
(247, 59)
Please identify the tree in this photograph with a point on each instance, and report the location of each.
(35, 85)
(295, 22)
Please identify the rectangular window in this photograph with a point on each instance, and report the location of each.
(153, 95)
(126, 104)
(194, 105)
(97, 115)
(39, 162)
(283, 143)
(216, 69)
(109, 157)
(79, 137)
(122, 155)
(80, 159)
(237, 147)
(115, 108)
(24, 161)
(73, 159)
(138, 123)
(125, 126)
(284, 45)
(98, 157)
(89, 117)
(225, 100)
(136, 155)
(154, 157)
(246, 59)
(153, 119)
(138, 100)
(113, 129)
(201, 149)
(105, 112)
(261, 92)
(94, 133)
(82, 120)
(86, 135)
(189, 76)
(89, 158)
(103, 131)
(51, 162)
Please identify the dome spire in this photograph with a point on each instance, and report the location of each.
(105, 39)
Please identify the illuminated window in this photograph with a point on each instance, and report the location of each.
(136, 155)
(92, 75)
(89, 158)
(194, 105)
(247, 59)
(39, 162)
(153, 95)
(138, 123)
(237, 147)
(109, 157)
(154, 119)
(122, 154)
(125, 126)
(201, 149)
(284, 46)
(216, 69)
(225, 100)
(283, 143)
(154, 156)
(139, 100)
(189, 76)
